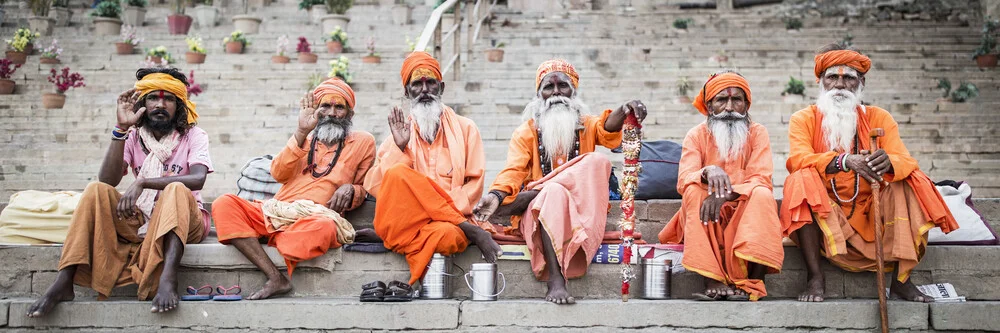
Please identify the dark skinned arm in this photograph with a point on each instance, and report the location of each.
(113, 166)
(194, 181)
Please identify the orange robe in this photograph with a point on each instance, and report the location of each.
(427, 189)
(749, 230)
(311, 236)
(910, 199)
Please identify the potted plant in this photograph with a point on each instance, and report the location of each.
(63, 81)
(279, 56)
(39, 21)
(314, 9)
(495, 54)
(305, 52)
(965, 92)
(335, 14)
(401, 13)
(106, 16)
(129, 39)
(61, 13)
(682, 24)
(193, 88)
(985, 56)
(135, 12)
(795, 91)
(158, 54)
(196, 52)
(207, 14)
(246, 22)
(7, 69)
(371, 57)
(336, 40)
(235, 42)
(50, 55)
(178, 23)
(338, 68)
(20, 45)
(793, 24)
(683, 87)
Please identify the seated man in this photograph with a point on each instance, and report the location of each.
(138, 237)
(828, 194)
(427, 175)
(320, 170)
(728, 219)
(561, 218)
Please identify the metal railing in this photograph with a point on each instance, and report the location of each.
(436, 35)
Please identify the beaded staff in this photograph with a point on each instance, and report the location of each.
(631, 144)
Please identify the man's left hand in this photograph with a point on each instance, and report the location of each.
(637, 107)
(879, 162)
(342, 198)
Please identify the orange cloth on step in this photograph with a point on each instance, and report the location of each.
(715, 85)
(847, 58)
(556, 65)
(337, 87)
(419, 59)
(749, 229)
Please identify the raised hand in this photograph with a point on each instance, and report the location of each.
(718, 182)
(400, 128)
(308, 118)
(637, 107)
(127, 114)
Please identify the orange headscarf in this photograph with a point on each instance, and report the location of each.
(848, 58)
(419, 62)
(715, 85)
(160, 81)
(557, 65)
(335, 87)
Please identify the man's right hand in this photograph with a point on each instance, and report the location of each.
(400, 128)
(484, 210)
(307, 115)
(127, 114)
(857, 163)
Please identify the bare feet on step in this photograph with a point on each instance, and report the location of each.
(558, 293)
(815, 288)
(166, 298)
(908, 291)
(53, 296)
(273, 288)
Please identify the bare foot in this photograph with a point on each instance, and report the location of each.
(908, 291)
(53, 296)
(273, 288)
(166, 298)
(557, 292)
(815, 289)
(367, 235)
(715, 288)
(482, 239)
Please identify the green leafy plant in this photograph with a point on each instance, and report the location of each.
(136, 3)
(684, 86)
(339, 68)
(109, 9)
(683, 23)
(944, 84)
(441, 2)
(237, 36)
(40, 7)
(60, 3)
(195, 44)
(161, 52)
(179, 6)
(305, 4)
(338, 6)
(337, 35)
(964, 92)
(792, 23)
(314, 80)
(847, 42)
(496, 45)
(988, 43)
(794, 87)
(22, 38)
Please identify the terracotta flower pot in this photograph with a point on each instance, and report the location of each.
(280, 59)
(987, 61)
(7, 86)
(195, 57)
(334, 47)
(371, 59)
(49, 61)
(179, 24)
(308, 58)
(53, 100)
(234, 47)
(18, 58)
(155, 60)
(30, 48)
(494, 55)
(124, 48)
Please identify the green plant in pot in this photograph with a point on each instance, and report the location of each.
(336, 40)
(60, 12)
(179, 23)
(336, 14)
(985, 55)
(795, 91)
(247, 23)
(196, 50)
(683, 87)
(107, 18)
(134, 13)
(236, 42)
(21, 45)
(495, 54)
(39, 20)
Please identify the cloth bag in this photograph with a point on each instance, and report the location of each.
(972, 227)
(255, 182)
(658, 177)
(37, 217)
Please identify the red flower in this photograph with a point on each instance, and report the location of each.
(303, 46)
(64, 81)
(193, 88)
(6, 71)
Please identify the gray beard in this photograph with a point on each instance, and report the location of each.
(731, 132)
(558, 119)
(840, 118)
(331, 130)
(427, 115)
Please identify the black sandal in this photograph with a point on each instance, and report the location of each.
(398, 292)
(373, 291)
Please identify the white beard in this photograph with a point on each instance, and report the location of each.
(558, 119)
(331, 132)
(731, 131)
(428, 117)
(840, 117)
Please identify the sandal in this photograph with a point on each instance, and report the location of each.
(228, 294)
(373, 291)
(197, 295)
(705, 297)
(398, 292)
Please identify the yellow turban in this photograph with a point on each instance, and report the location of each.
(160, 81)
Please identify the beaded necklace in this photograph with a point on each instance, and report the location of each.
(546, 162)
(857, 181)
(311, 166)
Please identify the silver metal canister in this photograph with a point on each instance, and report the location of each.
(436, 283)
(484, 281)
(655, 278)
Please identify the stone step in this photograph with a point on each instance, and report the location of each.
(504, 316)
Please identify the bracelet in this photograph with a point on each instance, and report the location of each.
(115, 135)
(120, 130)
(497, 194)
(843, 163)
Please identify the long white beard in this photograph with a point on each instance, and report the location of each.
(840, 117)
(428, 117)
(731, 131)
(332, 131)
(558, 118)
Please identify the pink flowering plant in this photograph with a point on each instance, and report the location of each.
(193, 88)
(7, 68)
(130, 35)
(53, 51)
(303, 46)
(283, 43)
(64, 80)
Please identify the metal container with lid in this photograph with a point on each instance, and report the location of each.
(436, 283)
(484, 281)
(655, 275)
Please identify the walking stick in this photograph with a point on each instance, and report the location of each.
(631, 144)
(883, 308)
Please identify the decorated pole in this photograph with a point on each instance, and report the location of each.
(631, 144)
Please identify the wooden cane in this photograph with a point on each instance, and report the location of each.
(883, 308)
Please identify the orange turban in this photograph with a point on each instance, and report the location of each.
(419, 64)
(715, 85)
(334, 87)
(849, 58)
(166, 82)
(557, 65)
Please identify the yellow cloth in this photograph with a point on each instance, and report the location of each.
(159, 81)
(281, 214)
(36, 217)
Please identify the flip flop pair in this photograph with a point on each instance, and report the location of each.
(220, 293)
(378, 291)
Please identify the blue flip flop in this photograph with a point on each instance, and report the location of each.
(197, 295)
(228, 294)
